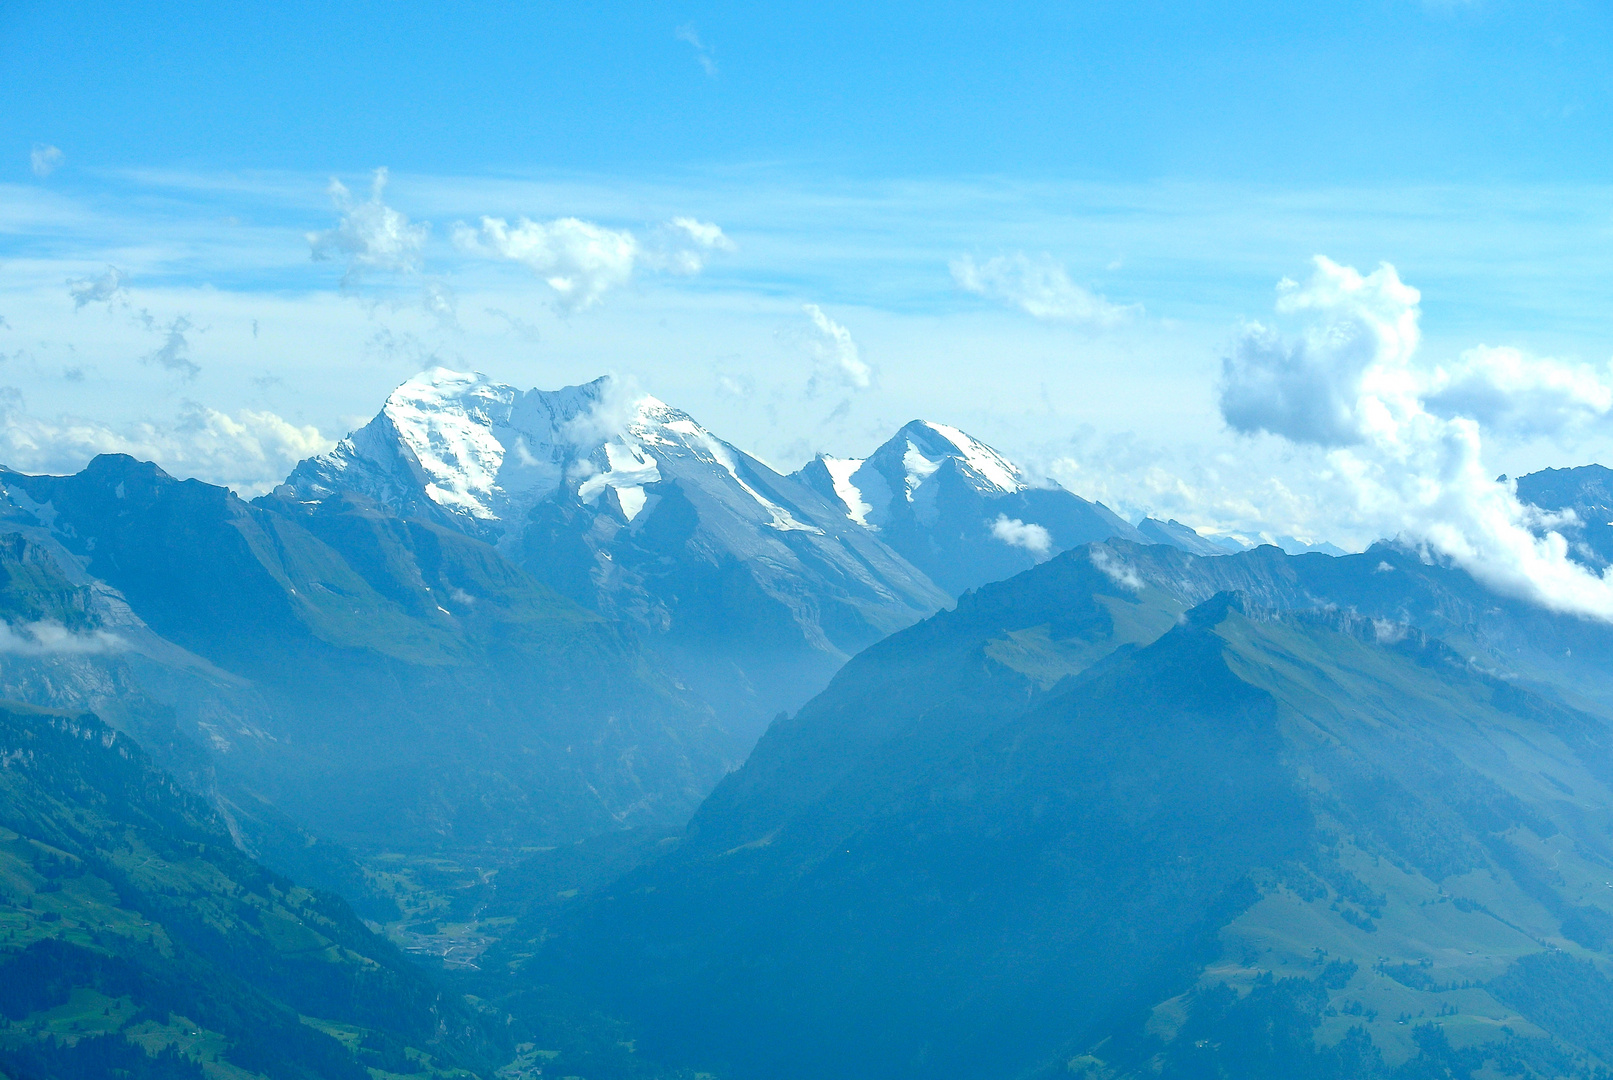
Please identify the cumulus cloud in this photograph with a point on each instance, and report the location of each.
(1510, 392)
(703, 52)
(581, 261)
(48, 638)
(1039, 287)
(174, 352)
(1347, 382)
(836, 351)
(369, 236)
(1016, 533)
(250, 451)
(45, 160)
(105, 289)
(1312, 388)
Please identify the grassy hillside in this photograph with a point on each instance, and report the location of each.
(135, 937)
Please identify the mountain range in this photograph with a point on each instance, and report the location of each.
(664, 763)
(751, 586)
(492, 617)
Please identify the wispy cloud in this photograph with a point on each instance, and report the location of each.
(44, 159)
(369, 236)
(703, 52)
(1040, 287)
(174, 352)
(836, 352)
(103, 289)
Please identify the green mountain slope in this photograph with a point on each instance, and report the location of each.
(1061, 831)
(136, 940)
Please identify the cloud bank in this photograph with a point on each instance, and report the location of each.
(250, 451)
(1407, 440)
(53, 639)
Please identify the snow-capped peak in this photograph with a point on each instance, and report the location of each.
(487, 452)
(987, 464)
(449, 420)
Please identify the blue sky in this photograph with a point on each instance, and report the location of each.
(1371, 91)
(916, 172)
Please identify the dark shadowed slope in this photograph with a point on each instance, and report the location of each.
(1058, 829)
(385, 680)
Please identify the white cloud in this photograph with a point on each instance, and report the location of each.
(1040, 287)
(1016, 533)
(834, 348)
(251, 451)
(370, 235)
(1510, 392)
(104, 289)
(618, 406)
(1115, 569)
(1309, 389)
(683, 245)
(45, 160)
(440, 302)
(48, 638)
(581, 261)
(1346, 382)
(703, 52)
